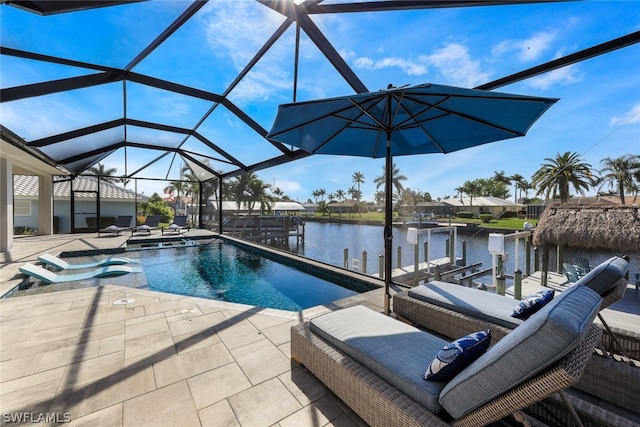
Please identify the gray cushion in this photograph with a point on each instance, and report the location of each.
(483, 305)
(603, 278)
(539, 342)
(395, 351)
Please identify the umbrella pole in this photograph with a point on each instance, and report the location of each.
(388, 236)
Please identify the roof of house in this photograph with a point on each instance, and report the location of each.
(27, 186)
(231, 205)
(589, 200)
(482, 202)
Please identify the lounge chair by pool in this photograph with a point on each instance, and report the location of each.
(60, 264)
(123, 222)
(151, 223)
(47, 276)
(179, 223)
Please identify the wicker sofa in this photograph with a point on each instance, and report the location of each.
(375, 364)
(453, 310)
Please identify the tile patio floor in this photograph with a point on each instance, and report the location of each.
(158, 360)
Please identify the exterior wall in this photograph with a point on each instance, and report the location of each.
(6, 204)
(62, 210)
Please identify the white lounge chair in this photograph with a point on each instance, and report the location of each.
(60, 264)
(49, 277)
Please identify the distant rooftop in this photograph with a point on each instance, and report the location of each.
(27, 186)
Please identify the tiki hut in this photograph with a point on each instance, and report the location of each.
(606, 228)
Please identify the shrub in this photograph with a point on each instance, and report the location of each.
(22, 231)
(486, 218)
(465, 214)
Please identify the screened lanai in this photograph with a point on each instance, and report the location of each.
(156, 87)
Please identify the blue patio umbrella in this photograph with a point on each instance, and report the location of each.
(420, 119)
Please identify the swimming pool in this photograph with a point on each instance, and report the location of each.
(226, 272)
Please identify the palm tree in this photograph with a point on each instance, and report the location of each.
(618, 172)
(191, 189)
(340, 195)
(471, 189)
(396, 178)
(501, 177)
(518, 181)
(107, 175)
(554, 177)
(460, 191)
(250, 190)
(278, 193)
(358, 178)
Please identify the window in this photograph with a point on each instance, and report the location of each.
(22, 207)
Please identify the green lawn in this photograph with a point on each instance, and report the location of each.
(507, 223)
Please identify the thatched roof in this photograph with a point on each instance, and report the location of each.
(615, 228)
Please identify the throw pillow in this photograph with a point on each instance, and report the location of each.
(532, 303)
(456, 356)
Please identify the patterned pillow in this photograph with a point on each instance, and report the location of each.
(456, 356)
(532, 303)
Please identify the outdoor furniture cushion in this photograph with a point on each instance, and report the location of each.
(373, 340)
(532, 303)
(484, 305)
(456, 356)
(543, 339)
(605, 276)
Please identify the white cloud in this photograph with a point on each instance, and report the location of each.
(364, 63)
(288, 187)
(565, 75)
(456, 65)
(453, 62)
(411, 68)
(528, 49)
(632, 116)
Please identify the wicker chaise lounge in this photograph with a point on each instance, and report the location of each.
(453, 310)
(375, 363)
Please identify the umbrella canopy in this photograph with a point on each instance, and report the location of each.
(420, 119)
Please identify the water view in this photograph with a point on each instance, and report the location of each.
(326, 242)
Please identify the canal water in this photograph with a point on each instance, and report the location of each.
(326, 242)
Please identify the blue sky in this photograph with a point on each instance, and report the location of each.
(598, 114)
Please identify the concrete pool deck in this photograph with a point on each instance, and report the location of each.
(118, 356)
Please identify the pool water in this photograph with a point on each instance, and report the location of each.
(226, 272)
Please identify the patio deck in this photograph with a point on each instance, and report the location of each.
(162, 359)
